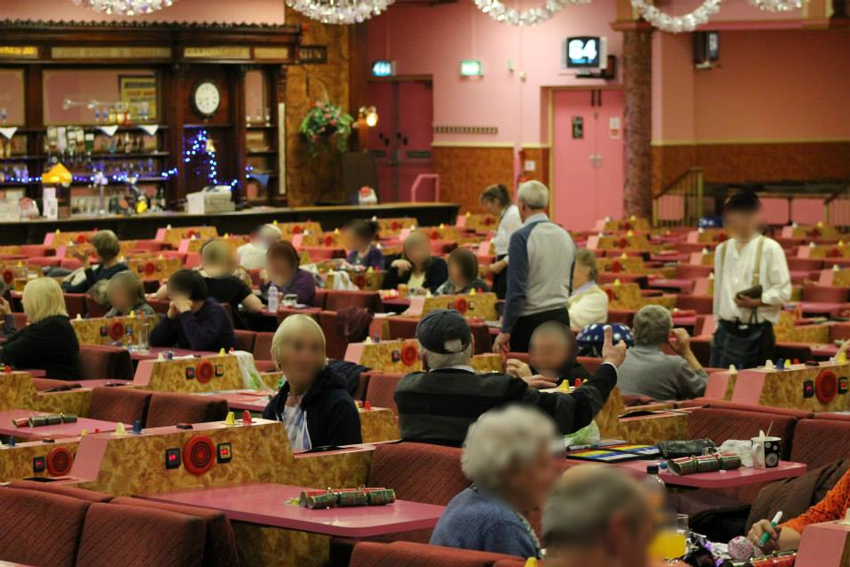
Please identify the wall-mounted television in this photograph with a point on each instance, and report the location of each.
(586, 52)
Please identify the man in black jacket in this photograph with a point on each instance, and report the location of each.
(439, 405)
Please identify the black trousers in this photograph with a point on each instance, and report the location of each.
(745, 346)
(500, 281)
(521, 333)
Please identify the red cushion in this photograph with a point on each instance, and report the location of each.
(132, 535)
(245, 340)
(408, 554)
(95, 309)
(220, 540)
(75, 303)
(819, 442)
(402, 327)
(707, 402)
(825, 294)
(337, 300)
(422, 473)
(263, 346)
(336, 345)
(703, 305)
(380, 391)
(62, 490)
(38, 528)
(720, 425)
(171, 409)
(120, 404)
(102, 361)
(51, 385)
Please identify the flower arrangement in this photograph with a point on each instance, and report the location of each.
(324, 121)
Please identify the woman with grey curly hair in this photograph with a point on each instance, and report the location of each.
(507, 457)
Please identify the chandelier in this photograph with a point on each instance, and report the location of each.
(777, 5)
(125, 7)
(678, 24)
(339, 11)
(532, 16)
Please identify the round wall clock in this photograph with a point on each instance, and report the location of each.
(206, 98)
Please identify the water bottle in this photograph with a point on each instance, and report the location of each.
(273, 298)
(656, 491)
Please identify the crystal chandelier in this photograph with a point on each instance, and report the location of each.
(125, 7)
(677, 24)
(530, 17)
(777, 5)
(339, 11)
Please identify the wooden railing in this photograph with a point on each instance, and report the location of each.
(680, 203)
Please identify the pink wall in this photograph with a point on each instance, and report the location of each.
(243, 11)
(783, 85)
(433, 40)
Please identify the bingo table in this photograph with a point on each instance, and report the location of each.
(809, 308)
(154, 352)
(58, 431)
(743, 476)
(270, 504)
(671, 284)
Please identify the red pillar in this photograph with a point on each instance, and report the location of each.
(637, 84)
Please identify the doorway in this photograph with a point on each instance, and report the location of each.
(587, 152)
(401, 141)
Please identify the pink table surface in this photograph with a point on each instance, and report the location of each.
(154, 352)
(102, 382)
(667, 258)
(739, 477)
(251, 400)
(831, 309)
(268, 505)
(824, 351)
(682, 285)
(61, 431)
(688, 321)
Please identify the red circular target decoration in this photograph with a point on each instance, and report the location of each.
(488, 221)
(59, 461)
(435, 234)
(826, 386)
(360, 281)
(627, 225)
(623, 243)
(462, 305)
(198, 454)
(409, 354)
(116, 330)
(610, 293)
(150, 269)
(205, 371)
(8, 276)
(329, 239)
(81, 239)
(190, 233)
(297, 229)
(815, 232)
(834, 252)
(616, 266)
(394, 225)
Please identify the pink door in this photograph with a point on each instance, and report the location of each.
(402, 142)
(588, 156)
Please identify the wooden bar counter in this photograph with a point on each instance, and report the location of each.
(239, 222)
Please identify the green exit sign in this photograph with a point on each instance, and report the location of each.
(471, 68)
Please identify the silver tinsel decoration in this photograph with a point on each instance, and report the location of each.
(678, 24)
(339, 11)
(501, 13)
(125, 7)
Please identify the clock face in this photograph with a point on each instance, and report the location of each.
(206, 98)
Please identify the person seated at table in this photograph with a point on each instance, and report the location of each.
(463, 274)
(598, 516)
(359, 235)
(194, 321)
(649, 372)
(588, 303)
(107, 249)
(439, 404)
(252, 254)
(125, 294)
(786, 536)
(416, 268)
(507, 457)
(552, 352)
(48, 342)
(282, 270)
(8, 328)
(217, 267)
(313, 402)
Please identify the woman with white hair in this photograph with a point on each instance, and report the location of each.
(48, 342)
(648, 371)
(508, 459)
(313, 402)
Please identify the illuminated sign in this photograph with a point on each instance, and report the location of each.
(383, 68)
(471, 68)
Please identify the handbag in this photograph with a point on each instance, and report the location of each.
(685, 448)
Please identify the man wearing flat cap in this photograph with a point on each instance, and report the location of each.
(438, 405)
(751, 284)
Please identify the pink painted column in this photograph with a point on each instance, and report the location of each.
(637, 86)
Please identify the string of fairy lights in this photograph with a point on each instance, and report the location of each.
(199, 149)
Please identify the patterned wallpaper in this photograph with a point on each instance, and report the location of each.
(465, 171)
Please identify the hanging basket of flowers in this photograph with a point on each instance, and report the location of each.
(324, 121)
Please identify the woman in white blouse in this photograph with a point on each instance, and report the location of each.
(496, 200)
(589, 302)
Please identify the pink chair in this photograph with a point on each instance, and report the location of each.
(45, 261)
(75, 303)
(825, 294)
(95, 309)
(70, 263)
(338, 300)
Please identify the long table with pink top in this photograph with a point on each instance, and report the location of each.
(274, 505)
(59, 431)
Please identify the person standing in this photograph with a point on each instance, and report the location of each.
(539, 273)
(751, 284)
(496, 200)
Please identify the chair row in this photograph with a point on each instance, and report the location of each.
(154, 409)
(62, 526)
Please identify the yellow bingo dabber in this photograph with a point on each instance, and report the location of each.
(773, 523)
